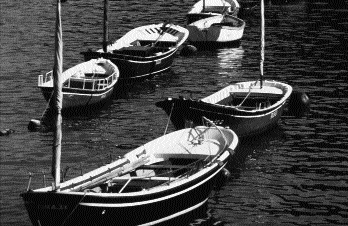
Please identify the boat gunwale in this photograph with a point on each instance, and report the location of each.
(184, 33)
(83, 179)
(158, 189)
(78, 68)
(287, 89)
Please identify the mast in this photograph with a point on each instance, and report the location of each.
(262, 41)
(203, 6)
(57, 98)
(105, 37)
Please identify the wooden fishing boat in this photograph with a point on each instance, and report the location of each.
(170, 176)
(85, 84)
(167, 177)
(144, 51)
(248, 108)
(216, 30)
(245, 107)
(208, 8)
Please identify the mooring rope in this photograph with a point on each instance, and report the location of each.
(245, 96)
(84, 195)
(170, 115)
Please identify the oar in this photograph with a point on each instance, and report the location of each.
(162, 32)
(124, 169)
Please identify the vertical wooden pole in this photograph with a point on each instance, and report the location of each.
(262, 40)
(57, 99)
(105, 38)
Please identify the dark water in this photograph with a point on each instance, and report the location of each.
(296, 174)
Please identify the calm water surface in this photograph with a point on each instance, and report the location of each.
(294, 175)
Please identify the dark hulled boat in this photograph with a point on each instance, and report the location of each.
(144, 51)
(161, 180)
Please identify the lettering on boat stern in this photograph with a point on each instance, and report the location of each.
(218, 121)
(274, 114)
(53, 207)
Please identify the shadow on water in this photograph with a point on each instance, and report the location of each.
(88, 111)
(252, 147)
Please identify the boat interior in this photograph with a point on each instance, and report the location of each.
(251, 102)
(146, 177)
(89, 81)
(245, 98)
(149, 166)
(248, 96)
(145, 48)
(230, 22)
(193, 17)
(148, 41)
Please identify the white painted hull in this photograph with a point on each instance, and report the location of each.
(72, 100)
(85, 84)
(246, 107)
(214, 29)
(214, 6)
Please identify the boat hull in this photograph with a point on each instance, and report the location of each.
(73, 99)
(187, 113)
(212, 7)
(216, 30)
(59, 208)
(191, 113)
(136, 68)
(144, 51)
(86, 84)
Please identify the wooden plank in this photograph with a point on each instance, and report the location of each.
(163, 167)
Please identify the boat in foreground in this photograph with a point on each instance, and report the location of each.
(216, 30)
(208, 8)
(143, 51)
(169, 176)
(245, 107)
(85, 84)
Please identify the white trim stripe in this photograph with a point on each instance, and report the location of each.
(175, 215)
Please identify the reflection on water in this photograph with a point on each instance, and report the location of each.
(230, 60)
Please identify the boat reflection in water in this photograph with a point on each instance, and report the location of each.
(230, 59)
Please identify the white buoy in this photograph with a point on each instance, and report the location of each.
(6, 132)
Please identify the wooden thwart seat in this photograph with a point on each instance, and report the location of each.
(163, 167)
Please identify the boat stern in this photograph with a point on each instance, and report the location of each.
(48, 208)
